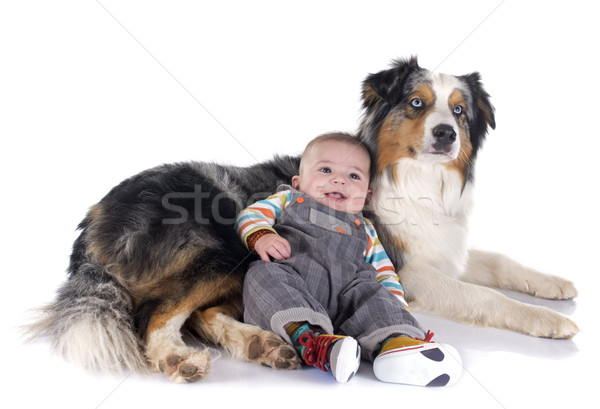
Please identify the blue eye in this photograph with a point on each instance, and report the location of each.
(354, 176)
(417, 102)
(457, 110)
(325, 170)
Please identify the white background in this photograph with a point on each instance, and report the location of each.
(93, 92)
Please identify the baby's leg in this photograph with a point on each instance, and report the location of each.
(275, 296)
(371, 314)
(391, 337)
(277, 299)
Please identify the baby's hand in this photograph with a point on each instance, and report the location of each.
(272, 245)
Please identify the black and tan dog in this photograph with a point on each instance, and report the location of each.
(159, 251)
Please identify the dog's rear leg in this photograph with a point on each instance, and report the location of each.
(166, 350)
(496, 270)
(248, 342)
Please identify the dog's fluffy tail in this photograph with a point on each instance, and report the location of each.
(90, 323)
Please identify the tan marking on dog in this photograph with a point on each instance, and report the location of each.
(243, 340)
(160, 320)
(182, 260)
(399, 139)
(227, 309)
(464, 155)
(424, 92)
(204, 322)
(402, 137)
(97, 253)
(457, 98)
(163, 343)
(487, 113)
(94, 249)
(205, 293)
(466, 149)
(147, 284)
(162, 280)
(369, 94)
(400, 244)
(95, 212)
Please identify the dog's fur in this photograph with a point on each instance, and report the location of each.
(158, 253)
(425, 130)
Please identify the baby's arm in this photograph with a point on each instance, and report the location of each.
(255, 227)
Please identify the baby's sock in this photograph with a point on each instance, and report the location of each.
(297, 329)
(401, 341)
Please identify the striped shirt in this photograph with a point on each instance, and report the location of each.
(265, 213)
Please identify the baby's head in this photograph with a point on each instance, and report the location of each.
(335, 171)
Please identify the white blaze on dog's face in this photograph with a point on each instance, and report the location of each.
(445, 128)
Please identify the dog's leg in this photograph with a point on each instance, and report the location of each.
(496, 270)
(168, 353)
(248, 342)
(432, 292)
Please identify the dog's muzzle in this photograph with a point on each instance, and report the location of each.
(444, 136)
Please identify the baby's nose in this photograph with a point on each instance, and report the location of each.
(338, 180)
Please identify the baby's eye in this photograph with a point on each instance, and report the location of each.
(354, 176)
(325, 170)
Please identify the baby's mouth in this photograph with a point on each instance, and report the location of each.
(335, 196)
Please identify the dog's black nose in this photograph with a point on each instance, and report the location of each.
(444, 134)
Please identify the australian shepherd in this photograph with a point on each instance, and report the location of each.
(159, 253)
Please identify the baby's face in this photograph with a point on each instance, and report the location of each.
(335, 174)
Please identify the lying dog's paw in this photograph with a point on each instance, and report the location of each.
(549, 324)
(554, 288)
(185, 365)
(269, 349)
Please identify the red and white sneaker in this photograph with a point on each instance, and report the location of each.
(417, 362)
(336, 354)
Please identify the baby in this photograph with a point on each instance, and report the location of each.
(323, 271)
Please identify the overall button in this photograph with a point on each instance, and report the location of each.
(300, 200)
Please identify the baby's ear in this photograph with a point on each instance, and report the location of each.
(296, 182)
(369, 196)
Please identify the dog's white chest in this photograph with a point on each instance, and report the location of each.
(426, 208)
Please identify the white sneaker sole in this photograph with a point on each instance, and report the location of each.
(344, 359)
(423, 365)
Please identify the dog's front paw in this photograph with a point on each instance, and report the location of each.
(553, 288)
(549, 324)
(269, 349)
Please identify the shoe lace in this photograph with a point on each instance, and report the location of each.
(428, 337)
(315, 349)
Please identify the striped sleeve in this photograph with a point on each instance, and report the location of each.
(386, 273)
(261, 215)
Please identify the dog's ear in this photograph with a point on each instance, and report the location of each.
(386, 86)
(484, 115)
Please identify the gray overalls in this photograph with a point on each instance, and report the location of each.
(326, 281)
